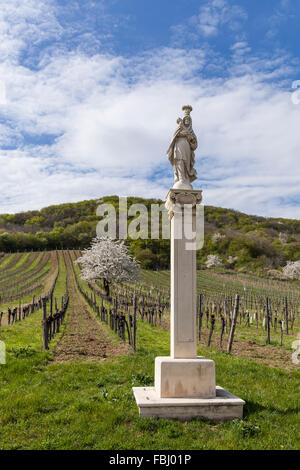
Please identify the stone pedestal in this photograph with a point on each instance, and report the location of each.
(185, 378)
(185, 385)
(225, 406)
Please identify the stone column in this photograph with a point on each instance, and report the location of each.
(181, 205)
(183, 374)
(185, 384)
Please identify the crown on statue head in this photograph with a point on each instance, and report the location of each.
(187, 109)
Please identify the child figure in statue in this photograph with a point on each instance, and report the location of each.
(181, 152)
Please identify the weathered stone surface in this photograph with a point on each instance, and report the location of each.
(181, 151)
(185, 378)
(183, 272)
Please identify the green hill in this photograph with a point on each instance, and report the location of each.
(259, 243)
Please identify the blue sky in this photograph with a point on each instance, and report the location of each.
(90, 92)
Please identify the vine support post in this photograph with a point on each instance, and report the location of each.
(286, 316)
(233, 323)
(45, 326)
(134, 322)
(268, 339)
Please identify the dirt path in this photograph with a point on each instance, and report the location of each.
(84, 338)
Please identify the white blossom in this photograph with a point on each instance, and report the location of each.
(292, 269)
(231, 260)
(217, 236)
(108, 259)
(213, 261)
(283, 238)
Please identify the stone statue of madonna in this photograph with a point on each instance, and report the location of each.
(181, 151)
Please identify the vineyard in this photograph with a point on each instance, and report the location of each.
(73, 353)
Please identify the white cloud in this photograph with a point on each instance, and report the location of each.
(24, 24)
(113, 118)
(217, 13)
(213, 16)
(283, 11)
(240, 48)
(34, 182)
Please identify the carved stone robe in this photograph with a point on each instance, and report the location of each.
(182, 148)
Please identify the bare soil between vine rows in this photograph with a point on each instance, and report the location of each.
(272, 356)
(84, 338)
(269, 355)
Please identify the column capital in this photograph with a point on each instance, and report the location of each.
(180, 197)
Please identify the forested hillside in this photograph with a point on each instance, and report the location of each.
(242, 241)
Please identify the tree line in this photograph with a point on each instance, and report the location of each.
(256, 243)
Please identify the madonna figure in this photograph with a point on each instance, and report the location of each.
(181, 151)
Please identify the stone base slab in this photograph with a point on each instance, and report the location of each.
(185, 378)
(225, 406)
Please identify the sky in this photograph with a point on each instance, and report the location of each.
(90, 92)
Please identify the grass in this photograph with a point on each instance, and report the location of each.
(21, 261)
(18, 265)
(26, 271)
(85, 405)
(90, 405)
(6, 260)
(27, 298)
